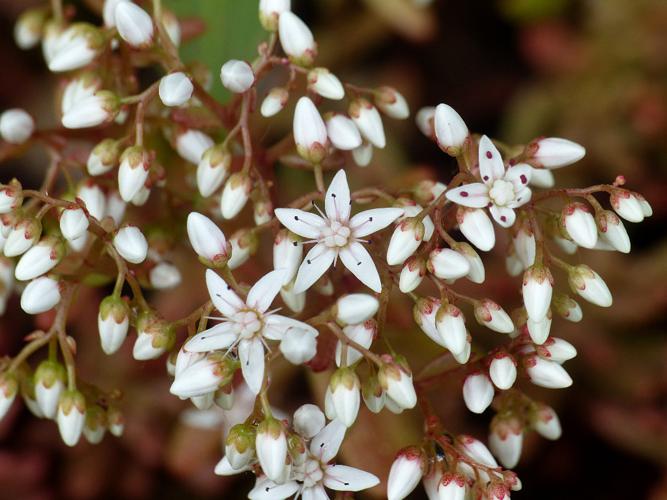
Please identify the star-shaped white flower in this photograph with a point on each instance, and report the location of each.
(501, 190)
(335, 235)
(309, 479)
(245, 325)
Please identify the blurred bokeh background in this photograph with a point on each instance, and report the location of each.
(594, 71)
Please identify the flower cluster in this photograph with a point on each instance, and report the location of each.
(171, 148)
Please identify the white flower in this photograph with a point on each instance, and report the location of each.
(345, 391)
(506, 441)
(629, 205)
(296, 39)
(213, 169)
(450, 486)
(580, 224)
(322, 82)
(73, 48)
(50, 380)
(113, 321)
(191, 145)
(369, 122)
(554, 152)
(396, 381)
(412, 274)
(135, 163)
(92, 110)
(246, 324)
(405, 473)
(450, 129)
(448, 264)
(271, 448)
(310, 132)
(131, 244)
(237, 76)
(477, 392)
(502, 370)
(308, 420)
(201, 376)
(589, 285)
(450, 324)
(337, 235)
(424, 119)
(16, 126)
(40, 259)
(558, 350)
(501, 190)
(23, 235)
(476, 227)
(405, 240)
(537, 290)
(73, 223)
(546, 423)
(342, 132)
(175, 89)
(40, 295)
(134, 24)
(545, 373)
(71, 416)
(494, 317)
(612, 231)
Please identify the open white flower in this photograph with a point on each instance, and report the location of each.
(246, 325)
(336, 234)
(502, 190)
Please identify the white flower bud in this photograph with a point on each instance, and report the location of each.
(369, 122)
(476, 450)
(542, 178)
(558, 350)
(93, 199)
(363, 155)
(537, 289)
(287, 254)
(405, 473)
(175, 89)
(477, 273)
(201, 377)
(546, 423)
(355, 308)
(244, 244)
(135, 163)
(524, 246)
(274, 102)
(164, 276)
(299, 345)
(235, 195)
(40, 259)
(450, 129)
(271, 448)
(425, 121)
(345, 395)
(113, 321)
(343, 133)
(412, 274)
(405, 240)
(23, 235)
(11, 197)
(9, 387)
(16, 126)
(580, 224)
(589, 285)
(322, 82)
(295, 301)
(109, 11)
(131, 244)
(95, 424)
(513, 264)
(191, 145)
(545, 373)
(239, 446)
(494, 317)
(237, 76)
(134, 25)
(269, 12)
(539, 330)
(502, 370)
(448, 264)
(477, 392)
(612, 231)
(171, 26)
(91, 111)
(73, 48)
(391, 103)
(628, 205)
(450, 487)
(213, 169)
(308, 420)
(396, 381)
(71, 416)
(310, 132)
(103, 157)
(363, 334)
(296, 39)
(554, 152)
(50, 380)
(568, 308)
(28, 28)
(40, 295)
(506, 441)
(450, 323)
(477, 227)
(73, 223)
(154, 337)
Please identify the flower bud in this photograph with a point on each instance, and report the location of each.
(16, 126)
(308, 420)
(477, 227)
(589, 285)
(310, 132)
(539, 330)
(295, 301)
(405, 240)
(355, 308)
(568, 308)
(191, 145)
(506, 440)
(373, 395)
(71, 416)
(135, 162)
(40, 295)
(537, 289)
(554, 152)
(391, 103)
(580, 225)
(405, 473)
(296, 39)
(612, 231)
(131, 244)
(494, 317)
(172, 26)
(476, 450)
(244, 244)
(134, 25)
(450, 129)
(363, 334)
(324, 83)
(447, 264)
(369, 122)
(175, 89)
(502, 370)
(29, 26)
(11, 197)
(101, 107)
(73, 223)
(50, 380)
(9, 386)
(412, 274)
(270, 11)
(164, 276)
(73, 48)
(545, 422)
(424, 313)
(342, 132)
(477, 273)
(558, 350)
(545, 373)
(477, 392)
(237, 76)
(94, 424)
(425, 121)
(154, 337)
(628, 205)
(113, 321)
(103, 157)
(93, 199)
(396, 382)
(240, 445)
(235, 194)
(203, 376)
(451, 486)
(213, 169)
(363, 155)
(274, 102)
(524, 245)
(345, 395)
(450, 323)
(299, 345)
(224, 397)
(23, 235)
(40, 259)
(287, 254)
(116, 421)
(271, 448)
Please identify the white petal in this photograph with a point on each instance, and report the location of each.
(276, 325)
(337, 200)
(265, 489)
(360, 263)
(316, 263)
(491, 165)
(265, 290)
(223, 297)
(326, 444)
(316, 492)
(344, 478)
(251, 354)
(217, 337)
(373, 220)
(475, 195)
(224, 468)
(300, 222)
(503, 215)
(519, 175)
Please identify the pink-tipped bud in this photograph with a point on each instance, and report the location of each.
(405, 473)
(478, 392)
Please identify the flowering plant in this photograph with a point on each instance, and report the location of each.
(169, 144)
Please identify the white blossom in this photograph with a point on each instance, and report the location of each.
(16, 126)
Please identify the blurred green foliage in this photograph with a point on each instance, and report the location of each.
(232, 31)
(530, 10)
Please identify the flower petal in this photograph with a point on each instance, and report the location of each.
(491, 165)
(521, 197)
(344, 478)
(360, 263)
(370, 221)
(224, 468)
(504, 216)
(475, 195)
(251, 354)
(276, 325)
(337, 200)
(316, 492)
(300, 222)
(265, 290)
(220, 336)
(519, 175)
(326, 443)
(265, 489)
(316, 263)
(223, 297)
